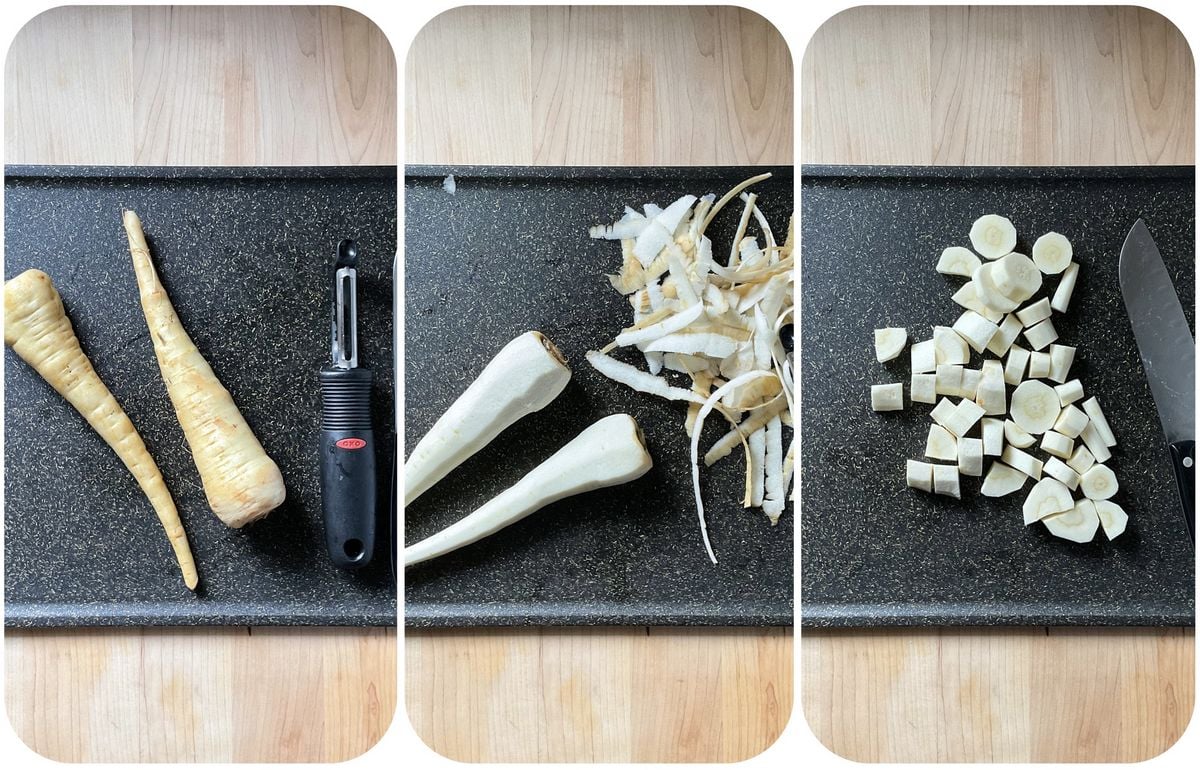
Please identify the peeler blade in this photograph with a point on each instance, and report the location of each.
(345, 319)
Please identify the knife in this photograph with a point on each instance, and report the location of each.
(1168, 352)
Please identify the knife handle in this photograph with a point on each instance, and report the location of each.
(348, 466)
(1183, 459)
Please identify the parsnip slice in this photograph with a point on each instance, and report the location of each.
(1041, 334)
(993, 436)
(949, 346)
(919, 475)
(967, 297)
(1095, 444)
(970, 457)
(1035, 406)
(1096, 415)
(969, 386)
(1017, 436)
(1081, 459)
(945, 481)
(1070, 392)
(1002, 480)
(1057, 444)
(941, 444)
(1039, 364)
(1032, 314)
(1071, 422)
(984, 281)
(1005, 336)
(1061, 358)
(1017, 277)
(889, 343)
(1056, 468)
(887, 398)
(1065, 288)
(923, 389)
(1078, 525)
(1052, 253)
(975, 329)
(1098, 482)
(1048, 497)
(949, 379)
(1022, 461)
(957, 261)
(1014, 367)
(923, 357)
(993, 236)
(991, 393)
(1112, 517)
(966, 414)
(943, 412)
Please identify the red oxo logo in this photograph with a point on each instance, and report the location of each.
(351, 443)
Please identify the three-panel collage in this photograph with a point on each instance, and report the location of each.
(598, 384)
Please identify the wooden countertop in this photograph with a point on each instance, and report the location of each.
(196, 86)
(998, 86)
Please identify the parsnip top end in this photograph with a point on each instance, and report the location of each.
(551, 348)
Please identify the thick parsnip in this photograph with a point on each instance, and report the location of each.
(526, 375)
(241, 482)
(37, 328)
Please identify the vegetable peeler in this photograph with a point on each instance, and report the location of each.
(347, 439)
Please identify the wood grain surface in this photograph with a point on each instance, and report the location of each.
(196, 85)
(1000, 695)
(600, 695)
(1065, 85)
(201, 695)
(961, 86)
(212, 86)
(599, 86)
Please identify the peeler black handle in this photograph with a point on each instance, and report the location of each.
(348, 466)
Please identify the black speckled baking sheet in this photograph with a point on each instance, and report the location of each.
(508, 252)
(243, 253)
(877, 553)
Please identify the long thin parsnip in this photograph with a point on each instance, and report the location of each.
(241, 482)
(611, 451)
(37, 328)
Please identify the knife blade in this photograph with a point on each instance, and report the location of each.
(1168, 353)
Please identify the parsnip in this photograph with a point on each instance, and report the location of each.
(610, 452)
(946, 481)
(526, 375)
(241, 482)
(37, 329)
(1002, 480)
(919, 475)
(1057, 469)
(1077, 524)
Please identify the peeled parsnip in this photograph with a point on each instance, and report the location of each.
(608, 453)
(241, 482)
(526, 375)
(38, 330)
